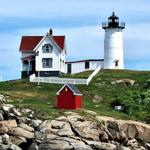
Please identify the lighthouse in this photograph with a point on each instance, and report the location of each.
(113, 43)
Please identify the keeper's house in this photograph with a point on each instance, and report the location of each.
(43, 55)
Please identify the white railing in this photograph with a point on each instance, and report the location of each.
(57, 80)
(32, 77)
(93, 74)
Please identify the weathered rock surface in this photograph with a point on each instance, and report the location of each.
(22, 133)
(56, 145)
(18, 131)
(26, 127)
(1, 116)
(2, 98)
(124, 82)
(97, 99)
(101, 145)
(6, 126)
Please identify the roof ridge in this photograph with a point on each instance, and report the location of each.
(28, 42)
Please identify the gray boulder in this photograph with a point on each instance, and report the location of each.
(26, 127)
(87, 129)
(1, 116)
(14, 147)
(2, 98)
(35, 123)
(56, 127)
(22, 133)
(5, 139)
(101, 145)
(56, 145)
(6, 126)
(77, 144)
(124, 82)
(4, 147)
(10, 110)
(34, 146)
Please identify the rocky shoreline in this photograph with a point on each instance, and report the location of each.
(19, 130)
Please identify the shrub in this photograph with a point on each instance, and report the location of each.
(135, 104)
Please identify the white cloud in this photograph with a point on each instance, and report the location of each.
(138, 31)
(9, 56)
(64, 8)
(137, 45)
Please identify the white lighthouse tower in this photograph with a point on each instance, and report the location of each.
(113, 43)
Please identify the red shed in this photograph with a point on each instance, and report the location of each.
(69, 97)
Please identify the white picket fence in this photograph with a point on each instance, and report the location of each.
(57, 80)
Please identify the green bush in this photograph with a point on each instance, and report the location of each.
(135, 104)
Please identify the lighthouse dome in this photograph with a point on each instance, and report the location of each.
(113, 16)
(113, 22)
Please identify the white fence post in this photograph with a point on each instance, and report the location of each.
(32, 77)
(93, 74)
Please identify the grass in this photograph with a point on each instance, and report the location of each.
(83, 75)
(42, 99)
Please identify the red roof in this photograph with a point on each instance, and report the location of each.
(28, 43)
(60, 41)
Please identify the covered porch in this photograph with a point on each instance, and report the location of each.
(28, 66)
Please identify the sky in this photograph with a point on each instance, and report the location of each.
(81, 22)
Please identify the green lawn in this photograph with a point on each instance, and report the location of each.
(42, 99)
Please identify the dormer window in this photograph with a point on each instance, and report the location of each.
(47, 48)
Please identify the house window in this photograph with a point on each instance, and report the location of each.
(25, 65)
(116, 63)
(47, 62)
(47, 48)
(87, 65)
(25, 62)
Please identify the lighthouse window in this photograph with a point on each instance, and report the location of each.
(116, 63)
(87, 65)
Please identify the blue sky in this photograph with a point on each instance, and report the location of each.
(80, 21)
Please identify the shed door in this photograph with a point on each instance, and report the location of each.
(69, 69)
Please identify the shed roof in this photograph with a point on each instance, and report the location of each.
(72, 87)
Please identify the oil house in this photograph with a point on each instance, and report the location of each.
(69, 97)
